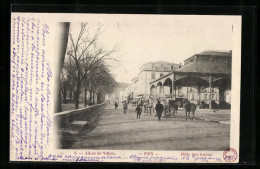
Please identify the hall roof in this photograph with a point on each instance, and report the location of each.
(161, 62)
(215, 53)
(206, 67)
(209, 67)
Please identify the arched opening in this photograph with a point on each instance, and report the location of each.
(159, 89)
(224, 86)
(223, 83)
(152, 90)
(191, 81)
(167, 87)
(190, 87)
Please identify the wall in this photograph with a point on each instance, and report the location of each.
(63, 119)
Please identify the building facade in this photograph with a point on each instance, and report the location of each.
(139, 86)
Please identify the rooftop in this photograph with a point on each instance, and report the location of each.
(161, 62)
(206, 67)
(215, 53)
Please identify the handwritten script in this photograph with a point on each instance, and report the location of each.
(104, 156)
(30, 118)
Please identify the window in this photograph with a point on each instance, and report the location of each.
(203, 96)
(180, 92)
(192, 96)
(161, 67)
(153, 75)
(153, 67)
(227, 92)
(172, 67)
(161, 74)
(213, 97)
(204, 90)
(206, 97)
(195, 89)
(191, 59)
(205, 59)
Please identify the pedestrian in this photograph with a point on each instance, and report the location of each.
(159, 110)
(125, 107)
(116, 105)
(138, 111)
(146, 106)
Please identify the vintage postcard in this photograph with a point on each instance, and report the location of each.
(125, 88)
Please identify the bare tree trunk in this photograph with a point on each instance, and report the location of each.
(85, 96)
(93, 95)
(99, 98)
(63, 46)
(60, 101)
(76, 94)
(76, 97)
(64, 95)
(90, 97)
(70, 93)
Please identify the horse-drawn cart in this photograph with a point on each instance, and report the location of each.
(169, 106)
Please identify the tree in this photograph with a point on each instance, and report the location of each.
(102, 83)
(84, 57)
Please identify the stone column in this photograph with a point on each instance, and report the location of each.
(210, 86)
(156, 88)
(162, 89)
(172, 84)
(199, 94)
(175, 92)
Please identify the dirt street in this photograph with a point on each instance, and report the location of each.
(117, 131)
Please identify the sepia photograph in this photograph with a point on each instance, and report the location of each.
(125, 88)
(146, 83)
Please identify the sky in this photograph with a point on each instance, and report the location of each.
(145, 38)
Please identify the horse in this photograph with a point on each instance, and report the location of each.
(189, 107)
(173, 105)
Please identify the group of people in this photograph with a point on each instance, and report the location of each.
(124, 106)
(139, 107)
(159, 106)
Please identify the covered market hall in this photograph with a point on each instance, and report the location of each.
(205, 78)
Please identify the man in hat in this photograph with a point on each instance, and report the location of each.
(125, 107)
(159, 110)
(138, 111)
